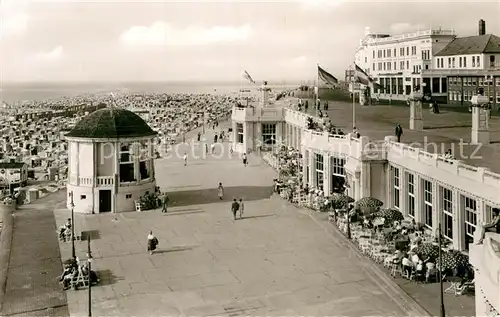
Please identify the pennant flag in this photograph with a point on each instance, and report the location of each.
(362, 77)
(247, 76)
(326, 76)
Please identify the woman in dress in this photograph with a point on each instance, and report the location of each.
(152, 242)
(220, 191)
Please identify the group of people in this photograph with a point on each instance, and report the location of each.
(73, 271)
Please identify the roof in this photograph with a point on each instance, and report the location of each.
(11, 165)
(111, 123)
(478, 44)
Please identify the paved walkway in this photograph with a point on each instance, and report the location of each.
(445, 130)
(32, 287)
(274, 261)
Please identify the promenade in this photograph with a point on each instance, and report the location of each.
(277, 260)
(441, 131)
(32, 286)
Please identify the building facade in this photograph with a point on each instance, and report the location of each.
(470, 63)
(110, 162)
(396, 62)
(429, 188)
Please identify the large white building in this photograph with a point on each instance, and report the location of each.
(397, 61)
(110, 161)
(424, 186)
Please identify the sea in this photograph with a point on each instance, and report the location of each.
(15, 92)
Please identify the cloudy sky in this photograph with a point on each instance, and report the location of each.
(208, 40)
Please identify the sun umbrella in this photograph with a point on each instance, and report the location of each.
(340, 199)
(368, 205)
(427, 250)
(390, 214)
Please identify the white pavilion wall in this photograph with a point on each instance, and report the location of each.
(128, 194)
(85, 157)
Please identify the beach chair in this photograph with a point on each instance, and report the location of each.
(137, 206)
(467, 286)
(81, 280)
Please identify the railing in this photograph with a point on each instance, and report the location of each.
(462, 72)
(480, 174)
(105, 181)
(486, 259)
(411, 35)
(85, 181)
(252, 113)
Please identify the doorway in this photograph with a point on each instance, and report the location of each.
(104, 200)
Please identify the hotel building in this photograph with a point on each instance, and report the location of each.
(396, 62)
(470, 63)
(424, 186)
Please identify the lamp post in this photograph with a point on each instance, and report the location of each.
(442, 312)
(89, 259)
(346, 186)
(73, 253)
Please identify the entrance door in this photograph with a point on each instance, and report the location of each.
(105, 200)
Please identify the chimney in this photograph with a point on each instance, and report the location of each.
(482, 27)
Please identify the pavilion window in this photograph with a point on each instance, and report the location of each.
(144, 160)
(320, 173)
(395, 179)
(411, 195)
(239, 132)
(447, 203)
(126, 164)
(427, 203)
(471, 215)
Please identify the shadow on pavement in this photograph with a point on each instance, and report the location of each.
(209, 196)
(449, 127)
(107, 278)
(253, 217)
(174, 249)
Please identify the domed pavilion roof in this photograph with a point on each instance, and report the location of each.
(111, 123)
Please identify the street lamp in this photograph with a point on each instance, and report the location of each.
(73, 253)
(89, 260)
(441, 293)
(346, 186)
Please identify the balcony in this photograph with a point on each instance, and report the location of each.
(486, 260)
(105, 181)
(257, 114)
(493, 69)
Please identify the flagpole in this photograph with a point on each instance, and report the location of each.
(353, 98)
(317, 82)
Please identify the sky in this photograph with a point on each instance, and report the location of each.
(64, 40)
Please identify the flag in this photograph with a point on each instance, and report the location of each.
(361, 77)
(247, 76)
(326, 77)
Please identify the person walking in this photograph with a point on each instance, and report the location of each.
(152, 242)
(185, 158)
(220, 191)
(234, 208)
(242, 208)
(245, 160)
(199, 136)
(399, 132)
(165, 202)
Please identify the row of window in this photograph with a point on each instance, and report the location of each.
(473, 81)
(268, 133)
(463, 62)
(336, 169)
(388, 53)
(468, 205)
(467, 96)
